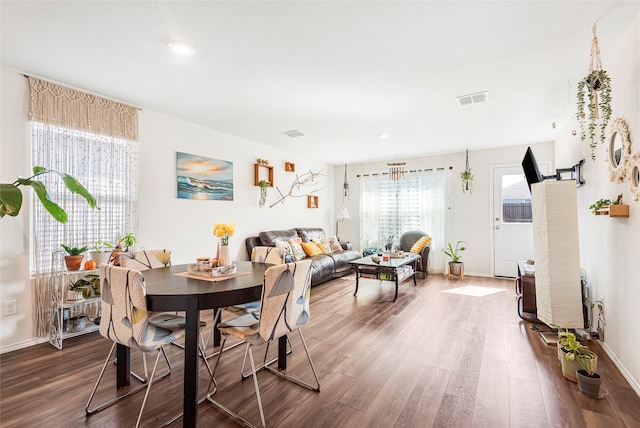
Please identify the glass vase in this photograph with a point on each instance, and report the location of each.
(223, 255)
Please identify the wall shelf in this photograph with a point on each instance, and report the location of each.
(312, 201)
(290, 167)
(614, 211)
(263, 172)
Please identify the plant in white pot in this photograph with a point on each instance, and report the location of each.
(456, 267)
(573, 355)
(101, 252)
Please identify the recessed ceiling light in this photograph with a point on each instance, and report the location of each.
(383, 136)
(181, 48)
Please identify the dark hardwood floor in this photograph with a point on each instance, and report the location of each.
(430, 359)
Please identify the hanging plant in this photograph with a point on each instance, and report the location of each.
(466, 177)
(263, 184)
(597, 111)
(597, 86)
(345, 185)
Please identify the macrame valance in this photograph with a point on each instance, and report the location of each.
(58, 105)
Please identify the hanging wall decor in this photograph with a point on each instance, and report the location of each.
(596, 109)
(396, 170)
(619, 150)
(345, 185)
(466, 177)
(309, 181)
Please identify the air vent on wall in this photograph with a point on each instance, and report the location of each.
(478, 97)
(293, 133)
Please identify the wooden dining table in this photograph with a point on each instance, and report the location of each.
(167, 291)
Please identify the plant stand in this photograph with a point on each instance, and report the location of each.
(455, 269)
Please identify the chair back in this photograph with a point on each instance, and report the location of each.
(124, 310)
(409, 238)
(146, 259)
(285, 299)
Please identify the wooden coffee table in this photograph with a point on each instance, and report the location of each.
(394, 269)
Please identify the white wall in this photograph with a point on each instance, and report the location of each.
(184, 226)
(610, 247)
(470, 215)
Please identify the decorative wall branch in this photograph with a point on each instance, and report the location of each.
(300, 185)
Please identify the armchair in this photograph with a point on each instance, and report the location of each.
(407, 241)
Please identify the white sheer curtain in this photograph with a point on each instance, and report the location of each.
(69, 135)
(415, 202)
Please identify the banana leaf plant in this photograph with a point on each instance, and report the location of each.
(11, 195)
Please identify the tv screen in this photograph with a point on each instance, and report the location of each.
(530, 168)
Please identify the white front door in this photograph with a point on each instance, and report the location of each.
(512, 228)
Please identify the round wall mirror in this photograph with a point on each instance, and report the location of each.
(633, 175)
(619, 150)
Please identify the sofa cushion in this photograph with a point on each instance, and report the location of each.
(310, 233)
(420, 244)
(334, 244)
(322, 268)
(268, 238)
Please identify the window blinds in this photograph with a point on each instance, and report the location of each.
(416, 202)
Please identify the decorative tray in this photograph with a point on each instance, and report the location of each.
(212, 272)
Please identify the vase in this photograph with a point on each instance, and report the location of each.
(223, 255)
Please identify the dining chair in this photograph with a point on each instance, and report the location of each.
(126, 321)
(146, 259)
(284, 309)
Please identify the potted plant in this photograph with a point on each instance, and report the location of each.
(263, 184)
(389, 240)
(588, 380)
(78, 322)
(456, 267)
(101, 252)
(466, 177)
(573, 355)
(597, 207)
(11, 195)
(74, 256)
(85, 287)
(127, 241)
(597, 87)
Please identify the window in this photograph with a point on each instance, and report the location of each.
(106, 166)
(415, 202)
(516, 199)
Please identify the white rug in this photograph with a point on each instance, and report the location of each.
(474, 290)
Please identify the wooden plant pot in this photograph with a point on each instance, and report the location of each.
(73, 262)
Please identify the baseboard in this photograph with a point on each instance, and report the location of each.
(25, 344)
(625, 373)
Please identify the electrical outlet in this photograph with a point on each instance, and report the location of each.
(10, 307)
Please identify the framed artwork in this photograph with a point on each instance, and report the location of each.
(204, 178)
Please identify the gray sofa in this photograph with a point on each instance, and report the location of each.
(324, 267)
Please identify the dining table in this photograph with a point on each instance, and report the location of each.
(168, 289)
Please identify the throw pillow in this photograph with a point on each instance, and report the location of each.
(420, 244)
(327, 246)
(298, 252)
(320, 245)
(334, 244)
(285, 251)
(310, 248)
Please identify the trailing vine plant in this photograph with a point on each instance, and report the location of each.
(263, 184)
(597, 87)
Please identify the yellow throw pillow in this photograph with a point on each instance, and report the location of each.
(420, 244)
(310, 248)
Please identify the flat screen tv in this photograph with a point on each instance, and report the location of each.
(530, 168)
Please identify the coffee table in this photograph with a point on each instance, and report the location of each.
(394, 269)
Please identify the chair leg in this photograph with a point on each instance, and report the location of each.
(146, 394)
(293, 379)
(144, 383)
(255, 383)
(264, 360)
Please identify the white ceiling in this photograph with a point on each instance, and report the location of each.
(341, 72)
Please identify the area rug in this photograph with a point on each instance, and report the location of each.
(474, 290)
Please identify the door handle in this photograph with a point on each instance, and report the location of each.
(497, 227)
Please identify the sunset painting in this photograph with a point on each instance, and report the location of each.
(204, 178)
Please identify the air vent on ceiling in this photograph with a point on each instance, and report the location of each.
(479, 97)
(293, 133)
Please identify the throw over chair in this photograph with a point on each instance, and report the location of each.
(146, 259)
(284, 308)
(417, 242)
(125, 321)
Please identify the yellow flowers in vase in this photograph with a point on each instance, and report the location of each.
(224, 231)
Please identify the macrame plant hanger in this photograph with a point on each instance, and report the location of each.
(595, 63)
